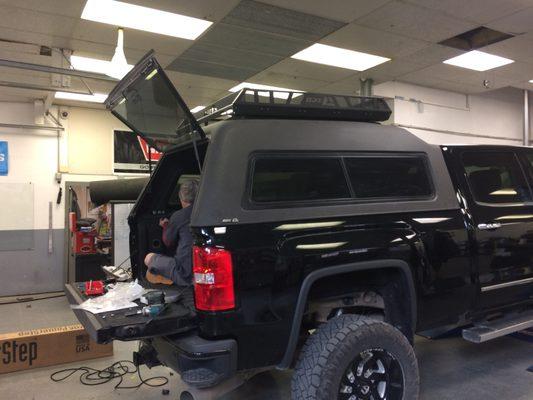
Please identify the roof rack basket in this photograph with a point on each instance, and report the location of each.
(250, 103)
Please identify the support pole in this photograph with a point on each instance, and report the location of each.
(366, 86)
(526, 118)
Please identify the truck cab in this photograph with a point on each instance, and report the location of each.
(316, 224)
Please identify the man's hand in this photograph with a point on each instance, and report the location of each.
(163, 222)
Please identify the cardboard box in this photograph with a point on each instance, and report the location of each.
(48, 346)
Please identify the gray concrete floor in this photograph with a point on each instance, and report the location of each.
(450, 368)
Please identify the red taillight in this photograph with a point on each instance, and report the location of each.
(213, 279)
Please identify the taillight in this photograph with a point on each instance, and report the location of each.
(213, 279)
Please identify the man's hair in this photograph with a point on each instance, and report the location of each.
(188, 191)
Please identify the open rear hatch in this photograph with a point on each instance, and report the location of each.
(147, 102)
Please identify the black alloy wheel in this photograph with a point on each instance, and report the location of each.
(374, 374)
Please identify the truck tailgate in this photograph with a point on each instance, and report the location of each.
(116, 325)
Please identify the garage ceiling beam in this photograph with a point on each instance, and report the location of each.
(38, 127)
(55, 70)
(30, 86)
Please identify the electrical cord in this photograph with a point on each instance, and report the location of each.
(118, 370)
(29, 299)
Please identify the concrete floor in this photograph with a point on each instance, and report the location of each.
(450, 368)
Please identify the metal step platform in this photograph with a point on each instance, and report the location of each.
(488, 330)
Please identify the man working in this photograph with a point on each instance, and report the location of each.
(176, 234)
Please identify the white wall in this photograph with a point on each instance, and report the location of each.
(439, 116)
(33, 157)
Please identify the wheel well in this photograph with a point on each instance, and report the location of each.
(383, 292)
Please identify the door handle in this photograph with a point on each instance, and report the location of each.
(489, 227)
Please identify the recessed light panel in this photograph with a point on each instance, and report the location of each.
(95, 98)
(478, 61)
(143, 18)
(338, 57)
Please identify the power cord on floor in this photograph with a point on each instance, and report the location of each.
(118, 370)
(29, 299)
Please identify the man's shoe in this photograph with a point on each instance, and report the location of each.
(157, 279)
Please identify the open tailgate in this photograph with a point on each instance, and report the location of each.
(178, 317)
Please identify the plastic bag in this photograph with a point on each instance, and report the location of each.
(120, 296)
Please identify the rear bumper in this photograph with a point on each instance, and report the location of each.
(201, 363)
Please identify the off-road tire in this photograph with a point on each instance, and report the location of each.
(333, 346)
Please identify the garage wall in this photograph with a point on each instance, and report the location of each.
(90, 140)
(33, 157)
(442, 117)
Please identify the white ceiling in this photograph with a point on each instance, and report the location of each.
(405, 31)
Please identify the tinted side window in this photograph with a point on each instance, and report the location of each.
(382, 177)
(278, 179)
(495, 177)
(529, 167)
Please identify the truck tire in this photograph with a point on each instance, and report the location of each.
(356, 358)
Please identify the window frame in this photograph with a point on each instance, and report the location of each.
(249, 203)
(518, 158)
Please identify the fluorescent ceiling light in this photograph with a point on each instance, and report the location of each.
(478, 61)
(143, 18)
(337, 57)
(92, 64)
(95, 98)
(197, 108)
(278, 95)
(531, 81)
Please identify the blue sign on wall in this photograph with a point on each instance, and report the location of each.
(3, 158)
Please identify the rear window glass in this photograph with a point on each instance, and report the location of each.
(280, 179)
(388, 177)
(495, 177)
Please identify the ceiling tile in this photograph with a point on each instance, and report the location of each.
(339, 10)
(480, 11)
(517, 23)
(37, 22)
(452, 73)
(196, 91)
(210, 69)
(349, 86)
(518, 48)
(211, 10)
(368, 40)
(194, 80)
(228, 36)
(391, 70)
(266, 18)
(516, 72)
(206, 52)
(415, 22)
(286, 81)
(70, 8)
(326, 73)
(432, 54)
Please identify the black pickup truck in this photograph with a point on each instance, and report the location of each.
(324, 240)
